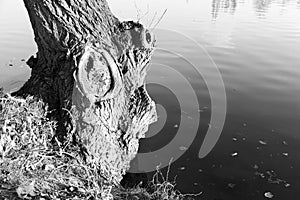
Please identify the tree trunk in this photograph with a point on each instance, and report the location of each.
(93, 64)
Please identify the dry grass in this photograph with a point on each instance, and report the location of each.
(159, 188)
(32, 165)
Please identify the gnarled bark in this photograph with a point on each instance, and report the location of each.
(90, 62)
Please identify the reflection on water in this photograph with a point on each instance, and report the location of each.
(256, 45)
(224, 5)
(262, 6)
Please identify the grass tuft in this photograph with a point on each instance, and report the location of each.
(32, 165)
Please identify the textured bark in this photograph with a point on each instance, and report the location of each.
(93, 64)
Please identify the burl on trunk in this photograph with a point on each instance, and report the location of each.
(93, 64)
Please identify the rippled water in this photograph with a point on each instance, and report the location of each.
(254, 43)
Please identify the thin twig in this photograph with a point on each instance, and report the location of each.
(152, 19)
(159, 20)
(138, 11)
